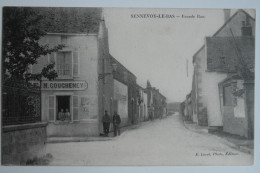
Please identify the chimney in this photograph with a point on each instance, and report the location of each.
(246, 28)
(227, 13)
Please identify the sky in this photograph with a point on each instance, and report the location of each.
(161, 49)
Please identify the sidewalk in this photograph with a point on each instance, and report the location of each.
(91, 138)
(237, 142)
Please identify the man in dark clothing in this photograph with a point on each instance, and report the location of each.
(116, 122)
(106, 123)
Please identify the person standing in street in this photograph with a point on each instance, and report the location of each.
(106, 123)
(116, 123)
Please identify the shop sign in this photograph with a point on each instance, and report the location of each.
(64, 85)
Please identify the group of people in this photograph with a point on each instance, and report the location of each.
(64, 115)
(116, 120)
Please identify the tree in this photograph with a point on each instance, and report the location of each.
(22, 31)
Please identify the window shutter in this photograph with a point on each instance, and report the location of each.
(51, 108)
(59, 63)
(75, 105)
(75, 64)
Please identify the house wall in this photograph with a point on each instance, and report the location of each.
(249, 106)
(211, 95)
(145, 104)
(105, 84)
(206, 93)
(194, 95)
(235, 25)
(235, 119)
(84, 102)
(201, 83)
(120, 101)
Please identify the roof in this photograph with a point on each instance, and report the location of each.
(225, 53)
(202, 47)
(70, 19)
(219, 30)
(140, 87)
(114, 59)
(240, 10)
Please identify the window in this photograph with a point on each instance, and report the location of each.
(63, 108)
(64, 64)
(75, 64)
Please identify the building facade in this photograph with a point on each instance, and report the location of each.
(70, 103)
(157, 103)
(237, 106)
(142, 112)
(117, 91)
(205, 91)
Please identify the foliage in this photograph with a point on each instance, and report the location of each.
(22, 32)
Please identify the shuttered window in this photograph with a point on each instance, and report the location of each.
(51, 108)
(64, 64)
(75, 105)
(75, 64)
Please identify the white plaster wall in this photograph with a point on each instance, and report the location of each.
(121, 89)
(210, 92)
(87, 49)
(239, 109)
(145, 105)
(211, 97)
(210, 80)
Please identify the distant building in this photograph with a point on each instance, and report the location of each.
(188, 108)
(157, 103)
(173, 107)
(117, 90)
(142, 113)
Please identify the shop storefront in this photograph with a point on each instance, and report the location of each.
(70, 102)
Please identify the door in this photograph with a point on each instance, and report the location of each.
(63, 105)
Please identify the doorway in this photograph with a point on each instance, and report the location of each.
(63, 103)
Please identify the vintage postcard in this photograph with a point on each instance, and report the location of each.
(127, 86)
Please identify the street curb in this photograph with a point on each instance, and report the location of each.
(91, 139)
(243, 149)
(87, 139)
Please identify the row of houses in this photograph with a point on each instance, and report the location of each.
(90, 80)
(222, 95)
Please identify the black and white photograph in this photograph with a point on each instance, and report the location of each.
(92, 86)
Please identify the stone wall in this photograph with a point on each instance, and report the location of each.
(22, 142)
(66, 129)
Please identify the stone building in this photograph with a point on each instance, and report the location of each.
(157, 104)
(236, 92)
(215, 61)
(89, 81)
(76, 89)
(117, 91)
(142, 113)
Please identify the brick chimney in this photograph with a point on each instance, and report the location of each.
(227, 13)
(246, 28)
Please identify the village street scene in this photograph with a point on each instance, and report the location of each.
(127, 87)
